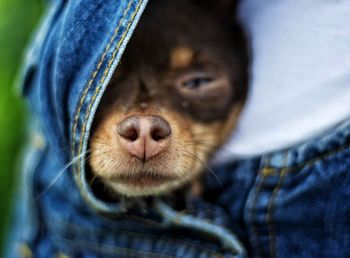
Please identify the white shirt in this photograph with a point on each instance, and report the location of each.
(300, 73)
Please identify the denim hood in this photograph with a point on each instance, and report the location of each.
(69, 66)
(291, 203)
(66, 70)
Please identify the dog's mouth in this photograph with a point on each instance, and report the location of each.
(144, 183)
(144, 179)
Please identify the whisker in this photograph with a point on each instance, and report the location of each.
(202, 140)
(194, 157)
(93, 180)
(203, 146)
(200, 144)
(202, 134)
(102, 142)
(59, 174)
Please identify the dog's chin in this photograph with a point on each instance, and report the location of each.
(145, 186)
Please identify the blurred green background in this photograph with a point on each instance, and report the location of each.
(18, 18)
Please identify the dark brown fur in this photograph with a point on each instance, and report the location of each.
(186, 63)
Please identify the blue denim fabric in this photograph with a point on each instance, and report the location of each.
(292, 203)
(66, 71)
(286, 204)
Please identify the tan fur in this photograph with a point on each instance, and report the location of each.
(181, 56)
(194, 79)
(192, 145)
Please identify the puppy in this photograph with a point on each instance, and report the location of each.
(174, 98)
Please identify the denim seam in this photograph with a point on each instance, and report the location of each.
(270, 207)
(141, 235)
(153, 223)
(97, 246)
(312, 161)
(84, 230)
(254, 231)
(143, 220)
(113, 249)
(30, 173)
(103, 78)
(93, 76)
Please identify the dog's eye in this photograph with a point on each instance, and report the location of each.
(196, 82)
(202, 85)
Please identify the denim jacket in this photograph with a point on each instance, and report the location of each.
(290, 203)
(68, 66)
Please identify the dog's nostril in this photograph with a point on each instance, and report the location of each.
(157, 134)
(130, 134)
(160, 130)
(129, 129)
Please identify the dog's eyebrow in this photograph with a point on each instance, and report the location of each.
(181, 56)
